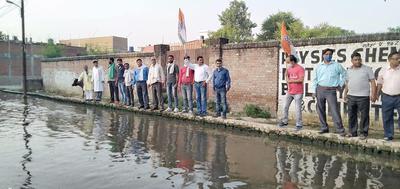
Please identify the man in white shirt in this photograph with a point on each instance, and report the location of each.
(98, 80)
(388, 82)
(202, 75)
(155, 82)
(128, 85)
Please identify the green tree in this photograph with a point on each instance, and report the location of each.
(95, 50)
(326, 30)
(52, 50)
(235, 22)
(2, 36)
(394, 29)
(271, 28)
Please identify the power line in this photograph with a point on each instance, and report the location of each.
(7, 5)
(7, 11)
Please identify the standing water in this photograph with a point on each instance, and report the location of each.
(46, 144)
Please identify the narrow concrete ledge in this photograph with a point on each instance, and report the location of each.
(370, 145)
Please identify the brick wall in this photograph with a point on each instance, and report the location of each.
(254, 72)
(11, 60)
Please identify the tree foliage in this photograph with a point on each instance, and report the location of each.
(235, 22)
(394, 29)
(52, 50)
(271, 28)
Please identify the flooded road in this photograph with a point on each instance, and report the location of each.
(46, 144)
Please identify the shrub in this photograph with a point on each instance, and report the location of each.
(255, 111)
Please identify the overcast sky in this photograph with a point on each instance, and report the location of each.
(155, 21)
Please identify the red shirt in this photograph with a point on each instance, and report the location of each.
(295, 72)
(182, 76)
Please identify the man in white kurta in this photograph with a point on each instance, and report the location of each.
(86, 78)
(98, 80)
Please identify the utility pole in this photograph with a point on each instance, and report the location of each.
(24, 83)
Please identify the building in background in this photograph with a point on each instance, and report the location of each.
(11, 59)
(195, 44)
(109, 44)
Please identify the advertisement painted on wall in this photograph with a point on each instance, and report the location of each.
(374, 54)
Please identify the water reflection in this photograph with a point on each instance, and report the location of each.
(115, 149)
(208, 158)
(27, 156)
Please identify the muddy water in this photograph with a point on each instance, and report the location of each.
(46, 144)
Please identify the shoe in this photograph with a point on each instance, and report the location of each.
(343, 134)
(363, 137)
(168, 110)
(282, 124)
(141, 107)
(176, 110)
(350, 135)
(298, 128)
(203, 115)
(190, 112)
(388, 138)
(154, 108)
(216, 115)
(223, 116)
(184, 111)
(323, 131)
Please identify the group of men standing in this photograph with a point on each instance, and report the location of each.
(360, 88)
(122, 81)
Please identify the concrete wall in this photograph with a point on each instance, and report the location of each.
(59, 73)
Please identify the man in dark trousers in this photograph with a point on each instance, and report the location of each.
(360, 90)
(329, 77)
(111, 77)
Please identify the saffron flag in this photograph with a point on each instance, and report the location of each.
(286, 44)
(181, 27)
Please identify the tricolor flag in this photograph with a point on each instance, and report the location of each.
(286, 44)
(181, 27)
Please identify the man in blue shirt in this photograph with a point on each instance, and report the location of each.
(140, 75)
(221, 85)
(329, 77)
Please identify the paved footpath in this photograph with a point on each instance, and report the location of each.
(369, 145)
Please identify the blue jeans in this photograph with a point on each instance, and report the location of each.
(122, 92)
(187, 94)
(220, 97)
(389, 104)
(142, 93)
(201, 97)
(172, 91)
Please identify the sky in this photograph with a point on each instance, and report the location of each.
(156, 21)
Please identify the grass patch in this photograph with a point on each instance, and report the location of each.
(255, 111)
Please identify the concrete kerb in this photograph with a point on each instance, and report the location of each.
(370, 145)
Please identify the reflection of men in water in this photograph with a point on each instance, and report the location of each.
(295, 78)
(86, 78)
(329, 77)
(98, 80)
(388, 81)
(360, 84)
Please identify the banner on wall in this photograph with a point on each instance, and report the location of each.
(374, 54)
